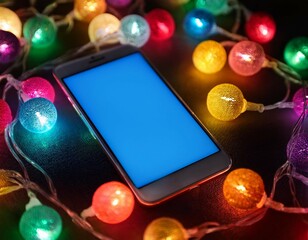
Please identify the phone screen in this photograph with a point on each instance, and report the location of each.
(151, 133)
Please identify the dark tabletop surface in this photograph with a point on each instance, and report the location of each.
(77, 165)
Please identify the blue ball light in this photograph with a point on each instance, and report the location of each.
(38, 115)
(199, 24)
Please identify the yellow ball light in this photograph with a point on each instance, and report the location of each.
(226, 102)
(244, 189)
(9, 21)
(165, 228)
(102, 25)
(209, 57)
(86, 10)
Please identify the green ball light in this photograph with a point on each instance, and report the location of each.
(40, 31)
(296, 53)
(215, 7)
(40, 223)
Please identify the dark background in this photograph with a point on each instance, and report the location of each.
(257, 141)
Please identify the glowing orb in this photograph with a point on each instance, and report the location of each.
(38, 87)
(103, 25)
(9, 21)
(5, 115)
(38, 115)
(296, 53)
(246, 58)
(40, 31)
(215, 7)
(161, 23)
(135, 30)
(300, 98)
(119, 3)
(260, 27)
(226, 102)
(199, 24)
(113, 202)
(165, 228)
(244, 189)
(86, 10)
(9, 47)
(297, 151)
(209, 57)
(40, 223)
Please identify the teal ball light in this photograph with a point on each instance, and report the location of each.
(40, 223)
(135, 30)
(38, 115)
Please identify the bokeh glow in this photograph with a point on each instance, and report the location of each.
(86, 10)
(9, 21)
(9, 47)
(296, 53)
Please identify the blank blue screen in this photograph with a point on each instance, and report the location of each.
(150, 132)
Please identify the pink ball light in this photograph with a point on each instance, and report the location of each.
(246, 58)
(260, 27)
(38, 87)
(9, 47)
(5, 115)
(299, 98)
(113, 202)
(161, 23)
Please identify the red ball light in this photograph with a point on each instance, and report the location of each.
(161, 24)
(260, 27)
(5, 115)
(246, 58)
(113, 202)
(37, 87)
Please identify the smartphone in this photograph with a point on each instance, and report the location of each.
(151, 136)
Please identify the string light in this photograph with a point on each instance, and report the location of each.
(9, 21)
(255, 196)
(38, 115)
(41, 223)
(226, 102)
(200, 24)
(113, 202)
(9, 47)
(5, 115)
(103, 25)
(161, 22)
(295, 53)
(260, 27)
(86, 10)
(244, 189)
(40, 31)
(165, 228)
(246, 58)
(134, 30)
(209, 57)
(37, 87)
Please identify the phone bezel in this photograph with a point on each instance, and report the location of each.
(168, 186)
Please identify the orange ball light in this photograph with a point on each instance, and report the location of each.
(209, 57)
(113, 202)
(165, 228)
(244, 189)
(86, 10)
(9, 21)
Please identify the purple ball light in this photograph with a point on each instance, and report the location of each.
(119, 3)
(298, 100)
(297, 151)
(9, 47)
